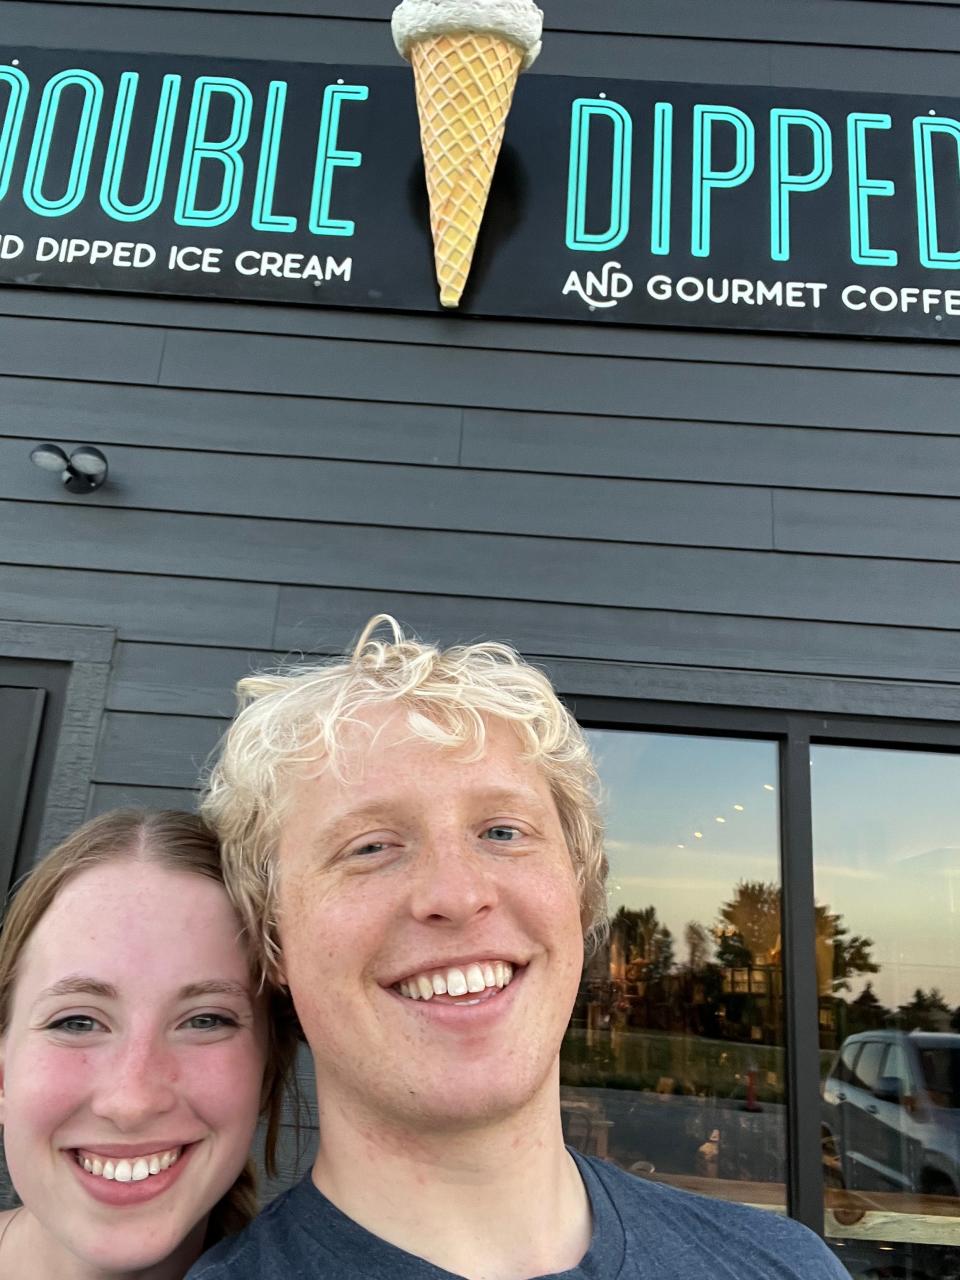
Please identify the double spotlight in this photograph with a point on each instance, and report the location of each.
(83, 471)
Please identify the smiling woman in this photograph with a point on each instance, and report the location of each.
(137, 1052)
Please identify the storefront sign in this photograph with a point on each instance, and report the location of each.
(614, 201)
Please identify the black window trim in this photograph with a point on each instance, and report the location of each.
(73, 663)
(795, 733)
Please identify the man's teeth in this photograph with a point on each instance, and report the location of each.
(457, 982)
(128, 1170)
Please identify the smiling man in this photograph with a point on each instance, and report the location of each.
(412, 836)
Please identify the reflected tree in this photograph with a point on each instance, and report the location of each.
(927, 1011)
(728, 983)
(749, 933)
(847, 954)
(749, 928)
(698, 946)
(867, 1012)
(643, 941)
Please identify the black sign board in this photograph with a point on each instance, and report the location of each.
(614, 201)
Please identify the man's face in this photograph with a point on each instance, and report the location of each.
(421, 871)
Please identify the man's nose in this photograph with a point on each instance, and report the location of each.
(139, 1085)
(451, 882)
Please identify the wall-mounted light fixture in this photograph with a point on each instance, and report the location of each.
(82, 472)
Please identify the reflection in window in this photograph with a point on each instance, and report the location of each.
(674, 1064)
(941, 1075)
(887, 860)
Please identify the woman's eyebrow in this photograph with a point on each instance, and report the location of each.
(215, 987)
(79, 985)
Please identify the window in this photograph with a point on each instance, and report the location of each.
(941, 1075)
(34, 697)
(21, 715)
(674, 1062)
(843, 1070)
(749, 964)
(895, 1068)
(867, 1071)
(887, 863)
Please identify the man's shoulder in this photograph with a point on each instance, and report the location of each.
(678, 1226)
(301, 1234)
(263, 1249)
(677, 1233)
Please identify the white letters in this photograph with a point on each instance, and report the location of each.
(292, 266)
(119, 253)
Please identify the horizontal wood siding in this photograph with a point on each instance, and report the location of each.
(852, 22)
(526, 380)
(156, 751)
(650, 502)
(104, 797)
(761, 520)
(555, 506)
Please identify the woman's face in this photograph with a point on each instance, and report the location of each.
(135, 1048)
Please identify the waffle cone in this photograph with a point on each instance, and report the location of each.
(465, 84)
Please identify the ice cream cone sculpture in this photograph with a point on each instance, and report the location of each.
(467, 56)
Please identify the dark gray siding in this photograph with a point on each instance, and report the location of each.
(701, 517)
(692, 515)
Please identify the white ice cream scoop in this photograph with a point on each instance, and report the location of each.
(519, 21)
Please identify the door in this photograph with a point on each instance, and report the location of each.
(862, 1130)
(21, 715)
(896, 1128)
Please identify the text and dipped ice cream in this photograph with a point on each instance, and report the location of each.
(467, 56)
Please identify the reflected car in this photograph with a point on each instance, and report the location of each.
(891, 1113)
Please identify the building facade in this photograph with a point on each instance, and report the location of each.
(736, 553)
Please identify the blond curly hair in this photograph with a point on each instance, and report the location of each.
(297, 716)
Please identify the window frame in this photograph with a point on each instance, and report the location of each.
(795, 732)
(72, 663)
(25, 705)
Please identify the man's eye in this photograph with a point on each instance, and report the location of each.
(372, 846)
(75, 1024)
(502, 835)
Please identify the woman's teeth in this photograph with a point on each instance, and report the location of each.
(128, 1170)
(457, 982)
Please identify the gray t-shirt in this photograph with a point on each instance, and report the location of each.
(641, 1231)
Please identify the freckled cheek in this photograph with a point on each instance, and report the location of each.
(554, 894)
(555, 900)
(326, 937)
(234, 1067)
(222, 1084)
(43, 1091)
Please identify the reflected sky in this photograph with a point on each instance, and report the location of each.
(886, 833)
(663, 789)
(886, 841)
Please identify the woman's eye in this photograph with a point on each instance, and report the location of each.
(210, 1021)
(502, 835)
(75, 1025)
